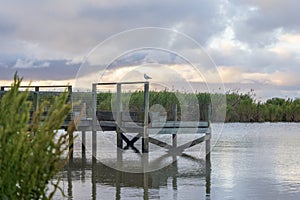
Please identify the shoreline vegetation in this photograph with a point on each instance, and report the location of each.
(240, 107)
(31, 151)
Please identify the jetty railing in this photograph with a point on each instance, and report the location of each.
(125, 121)
(39, 94)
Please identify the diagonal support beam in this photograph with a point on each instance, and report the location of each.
(192, 143)
(160, 143)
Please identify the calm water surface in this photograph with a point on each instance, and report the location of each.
(248, 161)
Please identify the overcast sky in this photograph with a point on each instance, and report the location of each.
(254, 43)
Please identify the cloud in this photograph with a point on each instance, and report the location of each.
(258, 23)
(282, 58)
(235, 74)
(56, 30)
(77, 26)
(23, 64)
(250, 41)
(40, 70)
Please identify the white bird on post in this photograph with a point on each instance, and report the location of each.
(147, 77)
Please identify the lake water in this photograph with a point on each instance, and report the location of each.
(248, 161)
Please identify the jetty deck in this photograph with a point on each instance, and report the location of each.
(144, 124)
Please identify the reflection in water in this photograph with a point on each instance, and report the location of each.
(249, 161)
(151, 182)
(257, 161)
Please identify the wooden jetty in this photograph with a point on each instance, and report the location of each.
(124, 122)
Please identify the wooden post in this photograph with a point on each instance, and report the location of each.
(83, 143)
(174, 136)
(72, 128)
(118, 184)
(83, 115)
(146, 186)
(83, 168)
(119, 111)
(94, 125)
(209, 112)
(207, 142)
(207, 153)
(145, 161)
(145, 138)
(174, 178)
(69, 93)
(69, 100)
(145, 142)
(69, 178)
(2, 91)
(207, 150)
(36, 99)
(70, 131)
(207, 177)
(118, 128)
(94, 176)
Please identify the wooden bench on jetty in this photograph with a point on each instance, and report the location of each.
(132, 123)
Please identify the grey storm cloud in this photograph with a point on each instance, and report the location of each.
(67, 29)
(200, 19)
(5, 27)
(257, 22)
(41, 70)
(78, 26)
(259, 60)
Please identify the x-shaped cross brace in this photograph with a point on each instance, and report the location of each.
(130, 143)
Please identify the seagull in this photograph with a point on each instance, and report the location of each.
(147, 77)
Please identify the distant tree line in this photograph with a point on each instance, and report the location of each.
(244, 108)
(240, 107)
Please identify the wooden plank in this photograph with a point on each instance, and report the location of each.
(106, 116)
(132, 124)
(125, 116)
(132, 129)
(138, 117)
(170, 124)
(178, 130)
(127, 83)
(108, 124)
(178, 124)
(151, 130)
